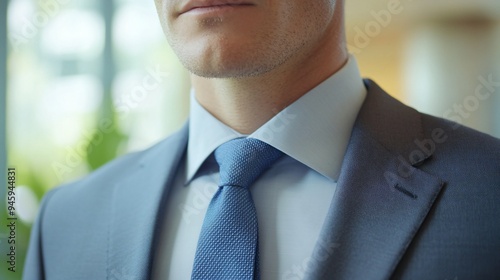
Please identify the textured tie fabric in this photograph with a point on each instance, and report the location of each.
(228, 243)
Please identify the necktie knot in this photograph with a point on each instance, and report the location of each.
(242, 160)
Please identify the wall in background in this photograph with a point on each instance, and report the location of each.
(432, 55)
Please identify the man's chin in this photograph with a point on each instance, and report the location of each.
(239, 71)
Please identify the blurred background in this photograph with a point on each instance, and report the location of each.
(82, 82)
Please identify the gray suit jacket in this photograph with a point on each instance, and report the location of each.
(418, 198)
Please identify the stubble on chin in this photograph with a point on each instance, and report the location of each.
(221, 60)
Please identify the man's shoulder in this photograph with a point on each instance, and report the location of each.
(447, 148)
(465, 158)
(461, 139)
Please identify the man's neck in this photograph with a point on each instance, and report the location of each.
(245, 104)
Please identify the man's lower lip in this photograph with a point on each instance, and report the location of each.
(216, 9)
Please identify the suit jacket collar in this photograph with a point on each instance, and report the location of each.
(380, 202)
(381, 199)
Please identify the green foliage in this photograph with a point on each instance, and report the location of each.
(104, 144)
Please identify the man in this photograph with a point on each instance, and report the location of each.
(361, 187)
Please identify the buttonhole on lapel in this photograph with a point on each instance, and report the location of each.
(405, 191)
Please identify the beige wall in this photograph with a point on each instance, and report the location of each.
(429, 54)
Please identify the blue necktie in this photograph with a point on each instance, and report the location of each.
(228, 243)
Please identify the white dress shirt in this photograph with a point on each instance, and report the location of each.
(292, 197)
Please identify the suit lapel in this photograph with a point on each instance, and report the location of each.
(381, 198)
(136, 202)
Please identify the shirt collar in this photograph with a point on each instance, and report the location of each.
(314, 130)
